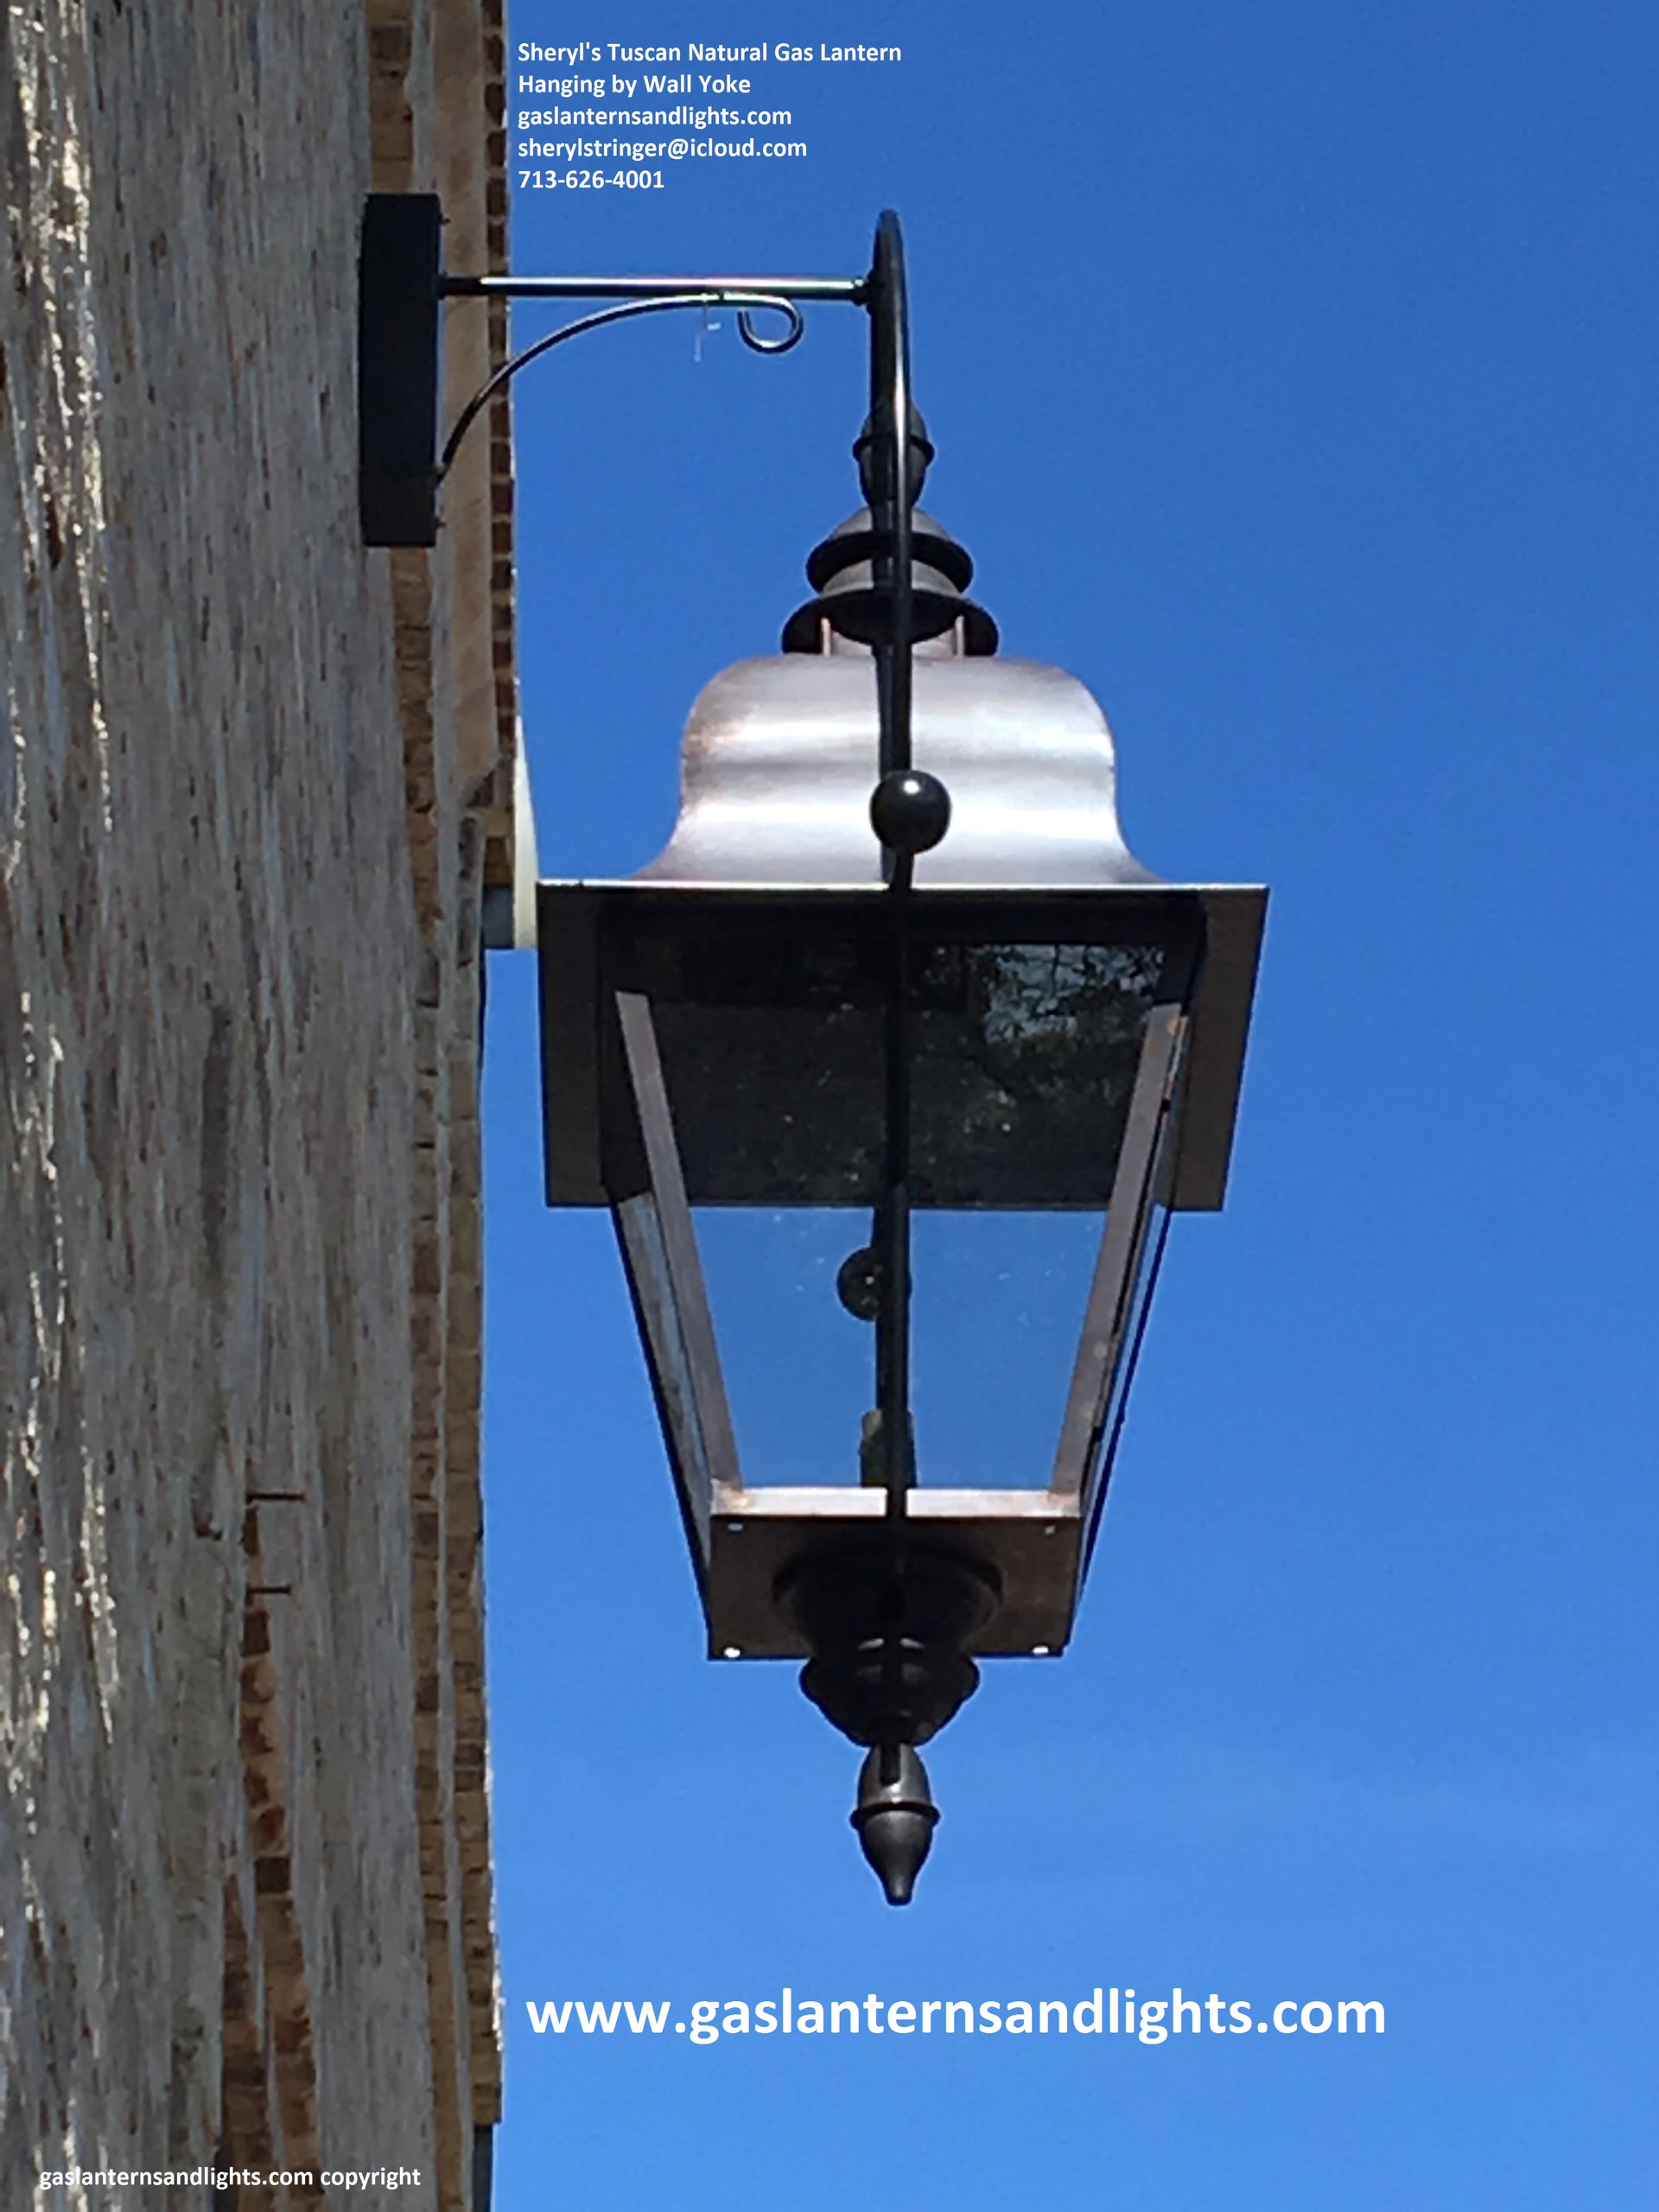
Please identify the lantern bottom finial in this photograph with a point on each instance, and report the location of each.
(895, 1818)
(887, 1625)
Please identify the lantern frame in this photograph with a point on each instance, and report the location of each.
(612, 1139)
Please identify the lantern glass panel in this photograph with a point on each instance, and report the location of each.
(999, 1299)
(796, 1365)
(771, 1027)
(1025, 1058)
(747, 1082)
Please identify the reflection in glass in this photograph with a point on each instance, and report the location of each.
(1024, 1060)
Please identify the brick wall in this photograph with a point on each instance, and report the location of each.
(245, 802)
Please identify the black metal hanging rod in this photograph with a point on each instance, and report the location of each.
(403, 286)
(888, 487)
(852, 288)
(888, 467)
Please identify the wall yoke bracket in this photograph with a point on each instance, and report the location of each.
(402, 286)
(399, 272)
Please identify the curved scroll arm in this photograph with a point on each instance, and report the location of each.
(893, 486)
(746, 303)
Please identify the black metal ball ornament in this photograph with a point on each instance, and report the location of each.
(910, 811)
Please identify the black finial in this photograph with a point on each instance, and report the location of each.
(895, 1818)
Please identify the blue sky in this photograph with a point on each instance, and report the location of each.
(1292, 372)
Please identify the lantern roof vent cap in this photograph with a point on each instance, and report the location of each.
(852, 605)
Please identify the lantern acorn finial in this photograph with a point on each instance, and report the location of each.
(895, 1817)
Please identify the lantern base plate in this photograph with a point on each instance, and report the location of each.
(886, 1616)
(1026, 1543)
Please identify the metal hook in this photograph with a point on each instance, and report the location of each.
(752, 339)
